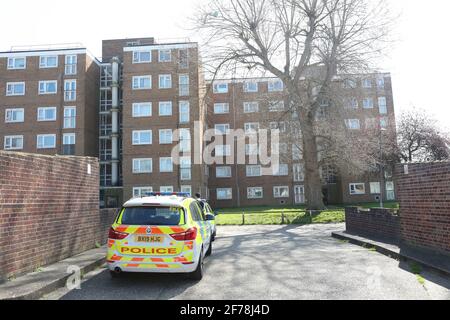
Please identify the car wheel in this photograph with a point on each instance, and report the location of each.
(113, 274)
(198, 273)
(208, 253)
(213, 238)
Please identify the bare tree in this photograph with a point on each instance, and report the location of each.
(420, 138)
(305, 43)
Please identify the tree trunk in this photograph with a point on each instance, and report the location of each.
(313, 182)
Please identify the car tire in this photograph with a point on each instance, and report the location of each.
(113, 274)
(209, 252)
(198, 273)
(213, 238)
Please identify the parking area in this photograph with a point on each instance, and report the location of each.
(275, 262)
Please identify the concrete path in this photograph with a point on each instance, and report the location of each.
(275, 262)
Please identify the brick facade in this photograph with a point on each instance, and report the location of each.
(48, 210)
(378, 223)
(424, 196)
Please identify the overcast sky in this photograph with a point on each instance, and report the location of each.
(419, 61)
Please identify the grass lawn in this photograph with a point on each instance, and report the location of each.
(292, 215)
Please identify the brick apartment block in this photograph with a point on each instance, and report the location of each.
(129, 105)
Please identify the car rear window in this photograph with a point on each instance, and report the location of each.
(155, 216)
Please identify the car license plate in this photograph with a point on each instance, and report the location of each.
(149, 239)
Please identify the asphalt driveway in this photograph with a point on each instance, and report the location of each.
(275, 262)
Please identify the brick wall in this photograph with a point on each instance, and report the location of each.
(379, 223)
(48, 210)
(424, 196)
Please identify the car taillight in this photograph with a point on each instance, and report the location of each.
(116, 235)
(189, 234)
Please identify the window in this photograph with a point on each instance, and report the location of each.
(141, 191)
(46, 141)
(17, 63)
(351, 103)
(71, 64)
(165, 108)
(14, 115)
(254, 193)
(185, 168)
(250, 107)
(186, 189)
(282, 170)
(68, 144)
(48, 87)
(165, 55)
(142, 82)
(223, 150)
(142, 109)
(184, 107)
(253, 171)
(165, 164)
(183, 58)
(278, 126)
(371, 123)
(142, 56)
(380, 83)
(221, 108)
(224, 194)
(299, 172)
(324, 102)
(250, 86)
(13, 143)
(390, 191)
(223, 172)
(276, 106)
(48, 62)
(222, 129)
(353, 124)
(165, 81)
(143, 137)
(185, 140)
(357, 188)
(281, 192)
(367, 83)
(349, 84)
(297, 153)
(382, 106)
(70, 90)
(165, 136)
(275, 85)
(251, 128)
(142, 166)
(15, 88)
(251, 149)
(384, 122)
(46, 114)
(220, 87)
(368, 103)
(375, 188)
(183, 83)
(70, 115)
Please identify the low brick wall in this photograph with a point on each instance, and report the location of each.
(423, 191)
(378, 223)
(49, 210)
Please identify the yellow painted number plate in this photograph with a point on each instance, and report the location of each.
(149, 239)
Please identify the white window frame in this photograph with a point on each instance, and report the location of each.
(138, 84)
(252, 192)
(165, 81)
(139, 190)
(183, 85)
(72, 139)
(185, 168)
(11, 91)
(137, 134)
(165, 104)
(43, 87)
(70, 90)
(368, 103)
(225, 150)
(137, 56)
(20, 137)
(248, 84)
(253, 171)
(382, 105)
(186, 189)
(12, 111)
(252, 149)
(283, 170)
(12, 63)
(166, 189)
(220, 87)
(367, 83)
(275, 85)
(137, 108)
(137, 165)
(43, 110)
(71, 63)
(228, 172)
(277, 194)
(165, 133)
(251, 127)
(161, 53)
(43, 62)
(381, 83)
(228, 191)
(184, 139)
(375, 188)
(70, 122)
(225, 108)
(350, 123)
(184, 115)
(251, 107)
(353, 191)
(222, 129)
(276, 106)
(41, 145)
(161, 161)
(298, 172)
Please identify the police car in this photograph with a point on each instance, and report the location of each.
(210, 216)
(162, 232)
